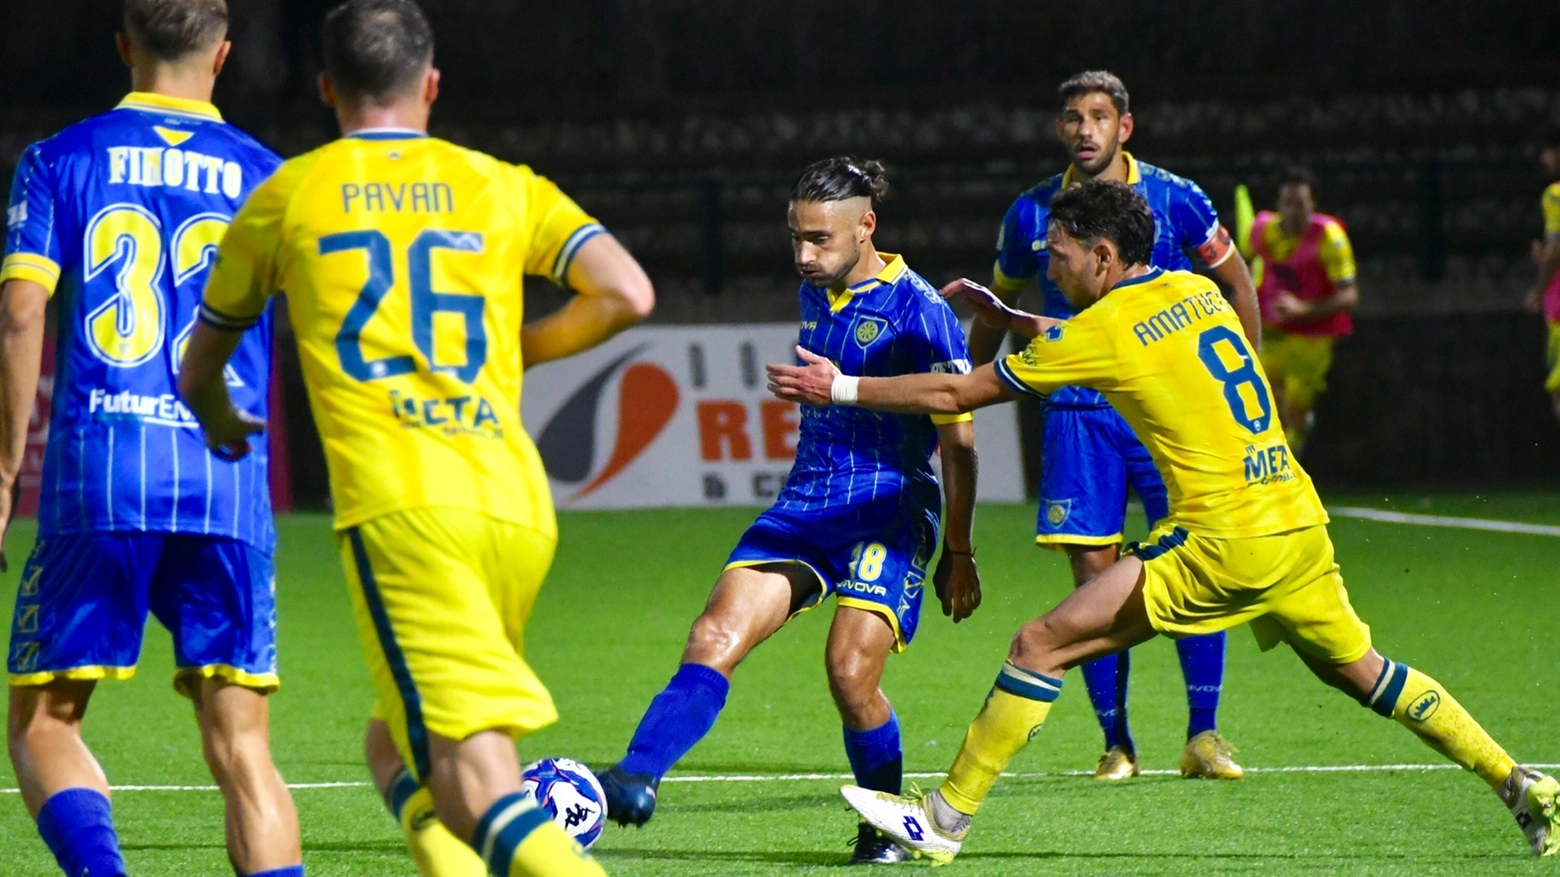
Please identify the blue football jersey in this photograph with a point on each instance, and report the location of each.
(1186, 223)
(120, 216)
(864, 462)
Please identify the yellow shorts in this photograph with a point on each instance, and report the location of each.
(442, 597)
(1552, 383)
(1287, 585)
(1297, 363)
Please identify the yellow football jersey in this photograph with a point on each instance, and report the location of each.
(1551, 204)
(402, 257)
(1167, 351)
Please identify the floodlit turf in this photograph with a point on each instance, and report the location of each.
(1476, 609)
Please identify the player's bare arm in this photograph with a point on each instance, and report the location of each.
(1344, 298)
(815, 384)
(956, 579)
(995, 312)
(1547, 254)
(1235, 274)
(22, 305)
(204, 388)
(985, 341)
(612, 293)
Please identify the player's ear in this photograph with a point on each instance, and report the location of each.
(431, 86)
(1126, 127)
(868, 224)
(122, 40)
(220, 60)
(328, 94)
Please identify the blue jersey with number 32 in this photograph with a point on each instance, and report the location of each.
(120, 217)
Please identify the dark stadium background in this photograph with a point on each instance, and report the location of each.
(681, 122)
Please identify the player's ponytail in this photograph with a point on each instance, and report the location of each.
(836, 179)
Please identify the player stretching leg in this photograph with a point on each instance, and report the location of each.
(1246, 540)
(1308, 290)
(1544, 297)
(858, 516)
(443, 514)
(121, 213)
(1091, 454)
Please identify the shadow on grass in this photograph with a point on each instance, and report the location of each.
(769, 857)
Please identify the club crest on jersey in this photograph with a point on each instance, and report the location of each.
(1055, 332)
(867, 330)
(1057, 510)
(1424, 706)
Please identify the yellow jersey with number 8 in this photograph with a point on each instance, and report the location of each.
(402, 258)
(1167, 351)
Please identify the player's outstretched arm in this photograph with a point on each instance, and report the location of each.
(204, 388)
(611, 293)
(995, 313)
(22, 306)
(819, 384)
(956, 579)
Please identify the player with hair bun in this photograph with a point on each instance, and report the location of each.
(858, 517)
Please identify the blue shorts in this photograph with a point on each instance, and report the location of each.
(1088, 458)
(877, 568)
(82, 603)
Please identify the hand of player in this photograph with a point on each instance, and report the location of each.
(7, 514)
(1534, 301)
(1287, 307)
(807, 384)
(228, 437)
(989, 309)
(957, 583)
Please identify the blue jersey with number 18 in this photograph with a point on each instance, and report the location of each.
(120, 215)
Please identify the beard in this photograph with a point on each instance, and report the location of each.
(837, 277)
(1100, 162)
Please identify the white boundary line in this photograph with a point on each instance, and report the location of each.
(798, 777)
(1444, 521)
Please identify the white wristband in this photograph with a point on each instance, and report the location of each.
(843, 390)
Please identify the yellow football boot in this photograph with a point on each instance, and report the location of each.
(1117, 764)
(1534, 799)
(1208, 756)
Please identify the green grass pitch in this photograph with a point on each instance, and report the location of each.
(1476, 609)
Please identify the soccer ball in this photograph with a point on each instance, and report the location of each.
(570, 794)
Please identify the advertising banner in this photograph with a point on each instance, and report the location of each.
(678, 416)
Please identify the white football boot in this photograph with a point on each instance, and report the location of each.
(906, 820)
(1532, 799)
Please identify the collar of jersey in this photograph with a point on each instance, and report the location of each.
(1153, 274)
(151, 102)
(387, 134)
(1133, 177)
(889, 274)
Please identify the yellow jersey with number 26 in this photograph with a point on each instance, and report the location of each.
(402, 259)
(1167, 351)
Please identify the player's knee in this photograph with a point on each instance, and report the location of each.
(717, 642)
(1034, 643)
(853, 677)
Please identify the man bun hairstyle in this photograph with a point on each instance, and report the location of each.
(171, 29)
(1297, 175)
(1096, 82)
(836, 179)
(376, 49)
(1107, 210)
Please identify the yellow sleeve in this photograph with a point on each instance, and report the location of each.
(1079, 352)
(557, 226)
(248, 270)
(1337, 255)
(1552, 212)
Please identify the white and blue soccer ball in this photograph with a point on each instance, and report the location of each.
(570, 794)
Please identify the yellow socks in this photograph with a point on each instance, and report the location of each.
(437, 852)
(518, 839)
(1423, 706)
(1013, 714)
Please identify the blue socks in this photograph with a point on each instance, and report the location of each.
(875, 756)
(1106, 679)
(77, 827)
(1202, 663)
(677, 719)
(289, 871)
